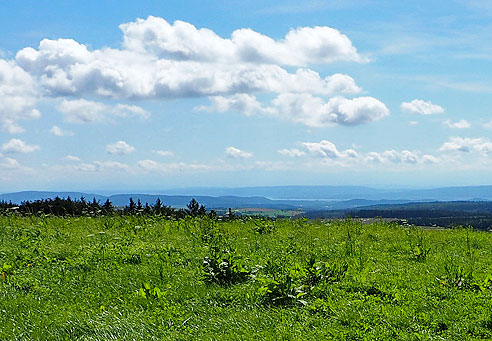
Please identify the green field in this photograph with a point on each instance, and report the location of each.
(144, 278)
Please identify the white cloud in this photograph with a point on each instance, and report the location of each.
(488, 125)
(328, 150)
(81, 111)
(394, 156)
(18, 146)
(119, 147)
(84, 111)
(97, 166)
(9, 164)
(183, 41)
(418, 106)
(293, 152)
(236, 153)
(159, 60)
(307, 109)
(430, 159)
(165, 153)
(18, 97)
(72, 158)
(467, 145)
(86, 167)
(110, 165)
(462, 124)
(57, 131)
(244, 103)
(315, 112)
(153, 166)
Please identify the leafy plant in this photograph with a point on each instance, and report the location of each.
(457, 277)
(281, 291)
(146, 291)
(263, 226)
(224, 267)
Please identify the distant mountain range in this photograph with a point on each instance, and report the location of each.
(277, 197)
(342, 193)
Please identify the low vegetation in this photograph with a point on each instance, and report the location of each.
(144, 277)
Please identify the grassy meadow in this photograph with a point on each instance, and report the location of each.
(152, 278)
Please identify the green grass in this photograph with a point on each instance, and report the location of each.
(143, 278)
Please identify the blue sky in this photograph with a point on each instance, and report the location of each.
(120, 95)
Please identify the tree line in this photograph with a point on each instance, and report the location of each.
(80, 207)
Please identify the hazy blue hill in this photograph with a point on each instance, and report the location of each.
(287, 192)
(207, 201)
(277, 197)
(343, 193)
(19, 197)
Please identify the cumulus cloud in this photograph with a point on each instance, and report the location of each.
(307, 109)
(183, 41)
(315, 112)
(394, 156)
(160, 60)
(244, 103)
(18, 146)
(18, 97)
(467, 145)
(84, 111)
(328, 151)
(236, 153)
(119, 147)
(462, 124)
(57, 131)
(418, 106)
(293, 152)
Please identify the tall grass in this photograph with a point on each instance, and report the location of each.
(147, 278)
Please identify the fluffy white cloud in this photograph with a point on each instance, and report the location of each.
(18, 146)
(306, 108)
(84, 111)
(119, 147)
(236, 153)
(293, 152)
(159, 60)
(394, 156)
(315, 112)
(328, 150)
(462, 124)
(57, 131)
(466, 145)
(18, 96)
(183, 41)
(418, 106)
